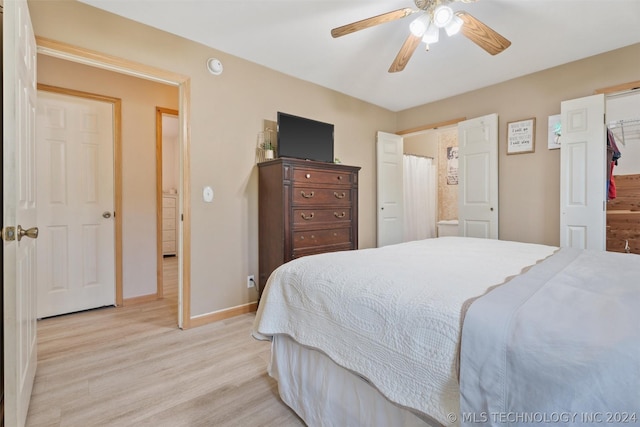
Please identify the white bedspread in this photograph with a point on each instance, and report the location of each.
(393, 314)
(565, 345)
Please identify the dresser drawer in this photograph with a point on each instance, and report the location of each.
(315, 176)
(314, 238)
(168, 235)
(169, 213)
(299, 253)
(331, 196)
(168, 223)
(169, 202)
(168, 247)
(316, 215)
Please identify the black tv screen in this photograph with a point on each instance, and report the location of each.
(303, 138)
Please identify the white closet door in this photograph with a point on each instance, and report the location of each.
(390, 189)
(583, 180)
(478, 177)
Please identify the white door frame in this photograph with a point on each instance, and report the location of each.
(113, 63)
(117, 173)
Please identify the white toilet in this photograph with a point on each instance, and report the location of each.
(448, 228)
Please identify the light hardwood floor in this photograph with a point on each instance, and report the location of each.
(132, 366)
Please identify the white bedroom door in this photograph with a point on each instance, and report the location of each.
(389, 162)
(19, 210)
(583, 173)
(478, 177)
(76, 259)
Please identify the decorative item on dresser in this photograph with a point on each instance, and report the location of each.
(305, 207)
(169, 224)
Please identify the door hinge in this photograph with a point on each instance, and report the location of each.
(9, 234)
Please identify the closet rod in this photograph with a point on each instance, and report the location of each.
(624, 122)
(419, 155)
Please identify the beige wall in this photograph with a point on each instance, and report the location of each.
(227, 113)
(139, 100)
(529, 190)
(422, 144)
(229, 110)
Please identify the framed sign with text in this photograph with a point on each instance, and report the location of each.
(521, 136)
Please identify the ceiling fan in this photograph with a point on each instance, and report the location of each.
(434, 15)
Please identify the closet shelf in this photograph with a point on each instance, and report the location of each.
(625, 211)
(618, 129)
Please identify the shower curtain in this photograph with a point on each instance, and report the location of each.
(419, 198)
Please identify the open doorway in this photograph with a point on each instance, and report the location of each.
(623, 188)
(608, 173)
(477, 175)
(167, 185)
(73, 54)
(440, 145)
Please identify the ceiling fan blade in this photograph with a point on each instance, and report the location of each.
(482, 35)
(370, 22)
(403, 56)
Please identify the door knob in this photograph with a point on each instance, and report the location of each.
(106, 214)
(30, 232)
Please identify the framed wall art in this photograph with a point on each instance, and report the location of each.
(521, 136)
(555, 132)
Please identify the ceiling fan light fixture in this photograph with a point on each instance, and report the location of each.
(432, 34)
(442, 15)
(419, 25)
(454, 26)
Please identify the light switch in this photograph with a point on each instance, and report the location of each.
(207, 194)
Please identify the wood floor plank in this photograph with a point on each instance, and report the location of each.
(132, 366)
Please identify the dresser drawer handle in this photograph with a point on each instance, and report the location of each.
(339, 196)
(339, 177)
(341, 215)
(308, 176)
(306, 217)
(307, 196)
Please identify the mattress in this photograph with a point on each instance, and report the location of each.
(325, 394)
(392, 315)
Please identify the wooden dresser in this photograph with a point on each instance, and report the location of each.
(169, 224)
(305, 208)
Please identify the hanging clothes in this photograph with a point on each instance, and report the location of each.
(613, 154)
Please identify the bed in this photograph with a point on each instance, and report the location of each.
(422, 333)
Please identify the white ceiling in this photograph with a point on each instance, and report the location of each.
(293, 36)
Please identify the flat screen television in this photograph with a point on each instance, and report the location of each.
(303, 138)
